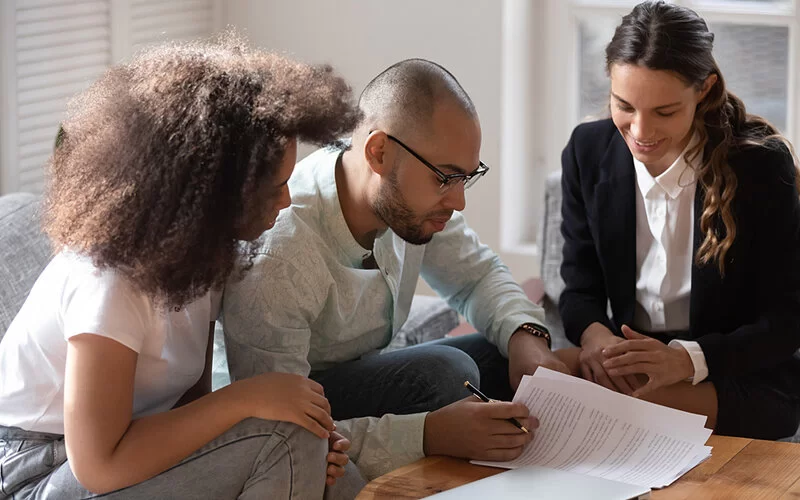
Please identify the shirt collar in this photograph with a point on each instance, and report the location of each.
(337, 229)
(674, 179)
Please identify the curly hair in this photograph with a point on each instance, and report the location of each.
(663, 36)
(162, 158)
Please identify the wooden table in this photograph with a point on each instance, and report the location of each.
(738, 468)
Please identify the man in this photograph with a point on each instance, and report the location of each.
(335, 278)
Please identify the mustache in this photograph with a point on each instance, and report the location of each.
(441, 215)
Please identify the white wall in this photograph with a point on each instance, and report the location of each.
(360, 38)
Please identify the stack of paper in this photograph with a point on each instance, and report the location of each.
(588, 429)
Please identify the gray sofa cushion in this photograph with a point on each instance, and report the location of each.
(550, 244)
(429, 318)
(550, 239)
(24, 252)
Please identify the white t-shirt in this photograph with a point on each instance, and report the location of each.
(72, 297)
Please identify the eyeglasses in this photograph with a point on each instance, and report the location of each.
(447, 181)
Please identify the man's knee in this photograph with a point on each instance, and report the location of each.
(443, 370)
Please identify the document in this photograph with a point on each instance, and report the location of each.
(540, 483)
(588, 429)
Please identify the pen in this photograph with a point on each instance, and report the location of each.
(478, 394)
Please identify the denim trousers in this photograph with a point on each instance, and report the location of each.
(421, 378)
(255, 459)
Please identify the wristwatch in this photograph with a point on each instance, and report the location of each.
(537, 331)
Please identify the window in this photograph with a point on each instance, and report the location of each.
(756, 46)
(52, 49)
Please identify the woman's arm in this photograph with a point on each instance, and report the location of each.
(583, 301)
(775, 335)
(107, 450)
(203, 386)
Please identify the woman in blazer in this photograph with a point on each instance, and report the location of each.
(681, 218)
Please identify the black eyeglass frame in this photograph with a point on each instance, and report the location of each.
(447, 180)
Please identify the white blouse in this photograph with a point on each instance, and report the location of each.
(664, 252)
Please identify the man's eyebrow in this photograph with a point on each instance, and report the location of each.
(620, 99)
(455, 169)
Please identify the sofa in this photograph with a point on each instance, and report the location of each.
(25, 251)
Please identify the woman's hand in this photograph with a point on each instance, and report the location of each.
(640, 354)
(337, 458)
(289, 398)
(594, 341)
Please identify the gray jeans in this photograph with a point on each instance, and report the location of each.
(256, 459)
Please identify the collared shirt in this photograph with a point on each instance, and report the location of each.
(308, 303)
(664, 252)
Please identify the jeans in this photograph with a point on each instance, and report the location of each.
(421, 378)
(255, 459)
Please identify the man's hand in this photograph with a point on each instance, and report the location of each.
(479, 431)
(640, 354)
(594, 340)
(526, 353)
(337, 459)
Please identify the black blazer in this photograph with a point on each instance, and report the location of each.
(745, 322)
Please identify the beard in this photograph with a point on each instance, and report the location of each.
(392, 208)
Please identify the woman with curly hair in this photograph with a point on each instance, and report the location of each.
(166, 164)
(681, 212)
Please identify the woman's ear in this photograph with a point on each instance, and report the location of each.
(708, 84)
(375, 152)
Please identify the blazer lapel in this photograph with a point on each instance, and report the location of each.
(615, 209)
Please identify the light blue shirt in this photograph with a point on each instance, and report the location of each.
(308, 304)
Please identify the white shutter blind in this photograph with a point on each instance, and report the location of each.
(52, 49)
(154, 21)
(61, 46)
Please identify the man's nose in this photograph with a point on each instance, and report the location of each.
(455, 199)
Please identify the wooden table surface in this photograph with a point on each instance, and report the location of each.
(738, 468)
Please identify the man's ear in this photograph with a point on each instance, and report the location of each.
(376, 152)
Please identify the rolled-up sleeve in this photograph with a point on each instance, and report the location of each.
(476, 283)
(381, 445)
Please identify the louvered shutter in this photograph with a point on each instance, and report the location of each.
(52, 49)
(59, 48)
(154, 21)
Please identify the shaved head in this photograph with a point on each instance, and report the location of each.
(403, 97)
